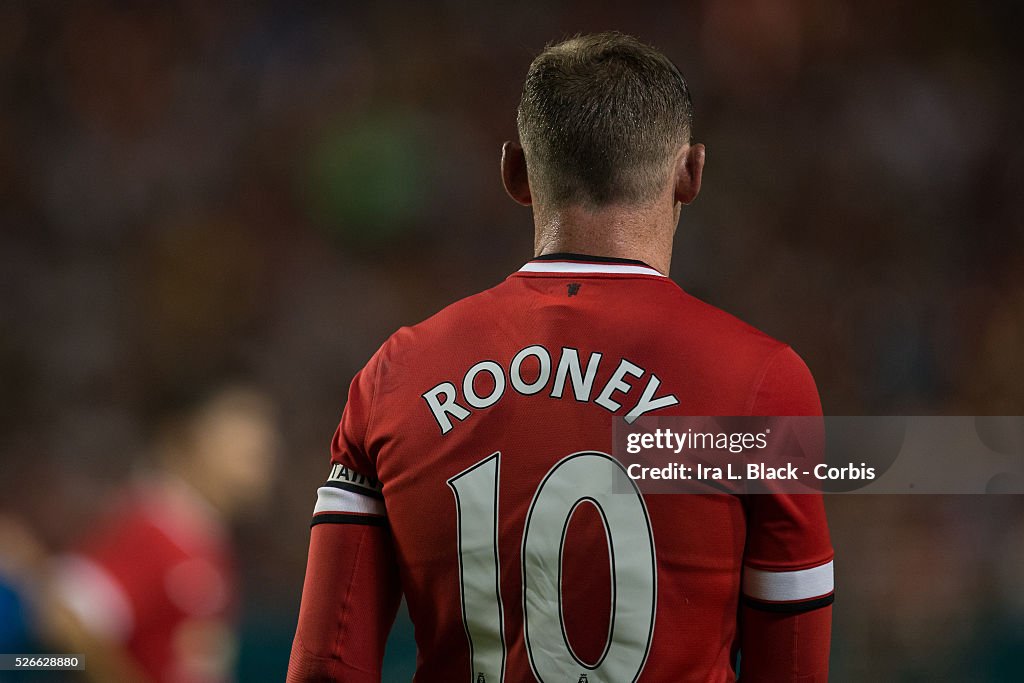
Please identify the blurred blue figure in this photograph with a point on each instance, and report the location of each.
(14, 626)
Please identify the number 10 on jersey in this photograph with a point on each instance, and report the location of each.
(585, 477)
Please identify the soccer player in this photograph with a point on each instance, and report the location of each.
(149, 595)
(471, 467)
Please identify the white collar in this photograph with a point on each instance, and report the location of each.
(588, 267)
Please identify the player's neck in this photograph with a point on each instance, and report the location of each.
(618, 232)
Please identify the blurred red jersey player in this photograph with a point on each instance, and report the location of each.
(472, 468)
(150, 595)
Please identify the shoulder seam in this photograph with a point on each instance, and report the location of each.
(747, 410)
(373, 398)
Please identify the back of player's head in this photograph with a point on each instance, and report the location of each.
(600, 120)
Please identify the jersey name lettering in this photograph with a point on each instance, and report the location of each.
(550, 376)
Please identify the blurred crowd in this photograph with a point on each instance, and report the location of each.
(192, 191)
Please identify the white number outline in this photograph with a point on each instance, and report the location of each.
(494, 460)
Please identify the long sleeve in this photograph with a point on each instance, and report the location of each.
(786, 613)
(349, 601)
(351, 591)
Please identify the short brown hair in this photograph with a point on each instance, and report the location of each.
(600, 118)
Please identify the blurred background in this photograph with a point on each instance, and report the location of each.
(191, 191)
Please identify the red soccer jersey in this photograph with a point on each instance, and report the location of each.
(480, 439)
(156, 579)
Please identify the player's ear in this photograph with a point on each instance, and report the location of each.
(689, 170)
(513, 173)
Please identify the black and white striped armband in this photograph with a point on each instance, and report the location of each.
(798, 590)
(348, 497)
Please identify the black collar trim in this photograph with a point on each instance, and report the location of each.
(568, 256)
